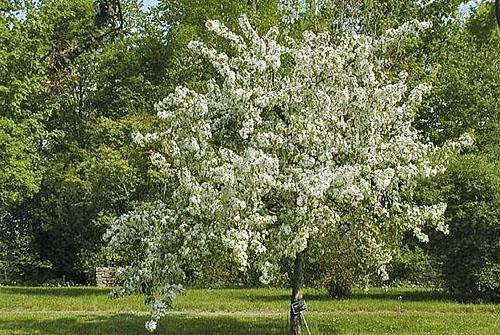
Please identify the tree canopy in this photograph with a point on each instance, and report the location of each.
(289, 141)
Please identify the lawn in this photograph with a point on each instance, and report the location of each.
(25, 310)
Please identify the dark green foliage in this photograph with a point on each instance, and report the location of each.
(464, 98)
(471, 252)
(23, 105)
(334, 265)
(24, 108)
(77, 163)
(340, 285)
(414, 266)
(19, 263)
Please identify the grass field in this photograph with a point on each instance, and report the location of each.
(25, 310)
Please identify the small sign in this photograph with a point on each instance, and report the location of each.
(299, 307)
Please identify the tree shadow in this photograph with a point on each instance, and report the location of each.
(125, 324)
(54, 291)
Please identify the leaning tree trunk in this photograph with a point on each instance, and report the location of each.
(297, 294)
(497, 11)
(254, 4)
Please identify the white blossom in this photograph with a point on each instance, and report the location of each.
(150, 325)
(263, 162)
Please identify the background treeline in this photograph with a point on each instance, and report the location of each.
(68, 165)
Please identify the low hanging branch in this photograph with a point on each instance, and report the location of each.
(108, 22)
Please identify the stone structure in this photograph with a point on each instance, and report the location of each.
(105, 276)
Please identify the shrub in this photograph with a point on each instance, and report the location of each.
(335, 266)
(412, 265)
(19, 262)
(471, 252)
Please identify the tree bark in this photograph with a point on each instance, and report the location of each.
(497, 11)
(297, 294)
(254, 4)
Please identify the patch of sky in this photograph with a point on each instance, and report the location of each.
(146, 4)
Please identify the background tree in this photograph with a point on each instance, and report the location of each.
(24, 109)
(77, 166)
(462, 98)
(92, 173)
(22, 101)
(470, 254)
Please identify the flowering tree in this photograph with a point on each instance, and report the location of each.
(290, 141)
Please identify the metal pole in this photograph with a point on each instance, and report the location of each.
(302, 316)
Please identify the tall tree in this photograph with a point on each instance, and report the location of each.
(23, 101)
(24, 109)
(463, 97)
(91, 173)
(67, 164)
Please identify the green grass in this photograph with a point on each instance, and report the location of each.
(25, 310)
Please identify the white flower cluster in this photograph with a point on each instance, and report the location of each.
(271, 155)
(292, 9)
(406, 29)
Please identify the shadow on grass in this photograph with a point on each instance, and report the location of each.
(125, 324)
(399, 295)
(55, 291)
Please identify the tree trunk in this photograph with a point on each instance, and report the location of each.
(497, 11)
(297, 294)
(254, 4)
